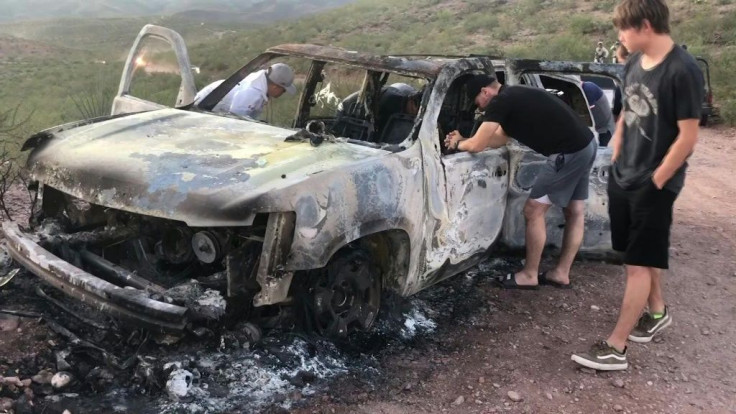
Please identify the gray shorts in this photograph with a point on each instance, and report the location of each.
(565, 177)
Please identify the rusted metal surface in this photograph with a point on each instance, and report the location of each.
(272, 277)
(129, 304)
(98, 236)
(407, 66)
(118, 274)
(521, 66)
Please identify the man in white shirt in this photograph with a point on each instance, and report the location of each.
(251, 95)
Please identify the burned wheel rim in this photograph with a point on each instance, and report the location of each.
(345, 295)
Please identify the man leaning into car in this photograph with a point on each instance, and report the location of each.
(544, 123)
(253, 93)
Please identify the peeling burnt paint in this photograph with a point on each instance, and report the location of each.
(520, 66)
(200, 169)
(271, 276)
(429, 68)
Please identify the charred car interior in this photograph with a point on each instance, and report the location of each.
(168, 217)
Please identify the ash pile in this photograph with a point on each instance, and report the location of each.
(78, 360)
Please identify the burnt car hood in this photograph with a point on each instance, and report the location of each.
(198, 168)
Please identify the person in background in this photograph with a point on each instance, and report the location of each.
(252, 94)
(601, 53)
(621, 55)
(614, 52)
(601, 111)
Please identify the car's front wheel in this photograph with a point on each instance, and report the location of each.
(343, 296)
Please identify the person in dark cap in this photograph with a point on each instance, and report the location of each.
(544, 123)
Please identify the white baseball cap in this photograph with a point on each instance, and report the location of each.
(281, 74)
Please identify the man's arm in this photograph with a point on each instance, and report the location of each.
(486, 136)
(618, 137)
(678, 152)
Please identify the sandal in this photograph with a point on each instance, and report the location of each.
(549, 282)
(509, 282)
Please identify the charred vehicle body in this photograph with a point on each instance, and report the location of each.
(321, 216)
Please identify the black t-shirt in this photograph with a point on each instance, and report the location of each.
(654, 100)
(539, 120)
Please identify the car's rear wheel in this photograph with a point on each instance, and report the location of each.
(344, 296)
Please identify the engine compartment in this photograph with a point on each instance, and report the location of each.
(199, 268)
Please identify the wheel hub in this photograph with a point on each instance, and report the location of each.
(345, 295)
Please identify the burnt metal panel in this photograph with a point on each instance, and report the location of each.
(518, 67)
(196, 168)
(187, 89)
(396, 64)
(272, 276)
(132, 305)
(119, 274)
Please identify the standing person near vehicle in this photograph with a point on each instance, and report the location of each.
(614, 51)
(663, 93)
(252, 94)
(601, 53)
(601, 111)
(622, 54)
(544, 123)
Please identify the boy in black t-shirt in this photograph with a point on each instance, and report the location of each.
(657, 132)
(544, 123)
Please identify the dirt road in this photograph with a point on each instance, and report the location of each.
(485, 346)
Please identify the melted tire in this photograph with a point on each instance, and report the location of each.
(344, 296)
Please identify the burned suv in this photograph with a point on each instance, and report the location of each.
(166, 215)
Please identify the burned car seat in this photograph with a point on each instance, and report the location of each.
(351, 120)
(397, 128)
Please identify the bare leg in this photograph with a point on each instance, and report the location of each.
(656, 301)
(638, 285)
(571, 241)
(536, 236)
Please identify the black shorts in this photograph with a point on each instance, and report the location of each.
(640, 223)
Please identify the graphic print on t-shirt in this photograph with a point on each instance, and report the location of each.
(641, 109)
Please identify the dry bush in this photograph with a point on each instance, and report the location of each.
(11, 172)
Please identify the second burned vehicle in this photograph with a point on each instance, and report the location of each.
(315, 210)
